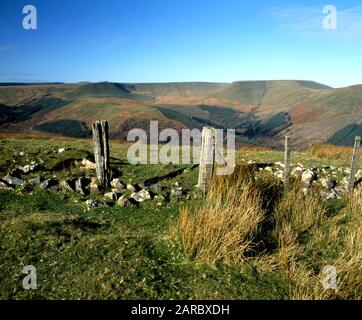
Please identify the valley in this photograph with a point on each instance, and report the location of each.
(261, 112)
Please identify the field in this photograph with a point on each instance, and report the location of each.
(248, 239)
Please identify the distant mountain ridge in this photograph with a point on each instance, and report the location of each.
(262, 112)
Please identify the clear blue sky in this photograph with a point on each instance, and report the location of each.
(181, 40)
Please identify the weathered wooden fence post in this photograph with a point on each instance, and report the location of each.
(286, 161)
(101, 152)
(355, 156)
(207, 158)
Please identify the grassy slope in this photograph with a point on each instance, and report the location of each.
(317, 111)
(112, 253)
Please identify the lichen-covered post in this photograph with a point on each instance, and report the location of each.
(207, 158)
(101, 152)
(355, 156)
(286, 161)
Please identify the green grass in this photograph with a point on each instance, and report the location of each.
(114, 253)
(109, 254)
(65, 127)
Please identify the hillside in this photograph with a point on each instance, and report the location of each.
(262, 112)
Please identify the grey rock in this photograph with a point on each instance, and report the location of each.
(116, 184)
(131, 188)
(54, 187)
(112, 195)
(156, 188)
(67, 185)
(14, 181)
(176, 192)
(80, 185)
(28, 168)
(35, 181)
(45, 184)
(89, 165)
(328, 183)
(141, 195)
(359, 174)
(94, 186)
(123, 202)
(327, 195)
(93, 204)
(308, 177)
(297, 172)
(4, 186)
(160, 199)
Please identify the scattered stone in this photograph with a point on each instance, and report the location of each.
(54, 187)
(80, 185)
(176, 192)
(160, 199)
(4, 186)
(156, 188)
(89, 165)
(34, 181)
(327, 195)
(93, 204)
(328, 183)
(14, 181)
(308, 177)
(297, 172)
(94, 186)
(279, 174)
(44, 185)
(61, 150)
(66, 185)
(116, 184)
(123, 202)
(141, 195)
(359, 174)
(131, 188)
(344, 182)
(112, 195)
(28, 168)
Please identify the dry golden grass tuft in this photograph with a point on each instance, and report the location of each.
(307, 237)
(222, 229)
(332, 152)
(309, 240)
(35, 136)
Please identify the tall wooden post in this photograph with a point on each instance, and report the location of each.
(355, 156)
(101, 152)
(286, 161)
(207, 158)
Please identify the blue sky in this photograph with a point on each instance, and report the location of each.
(181, 40)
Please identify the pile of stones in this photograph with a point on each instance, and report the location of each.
(119, 193)
(331, 181)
